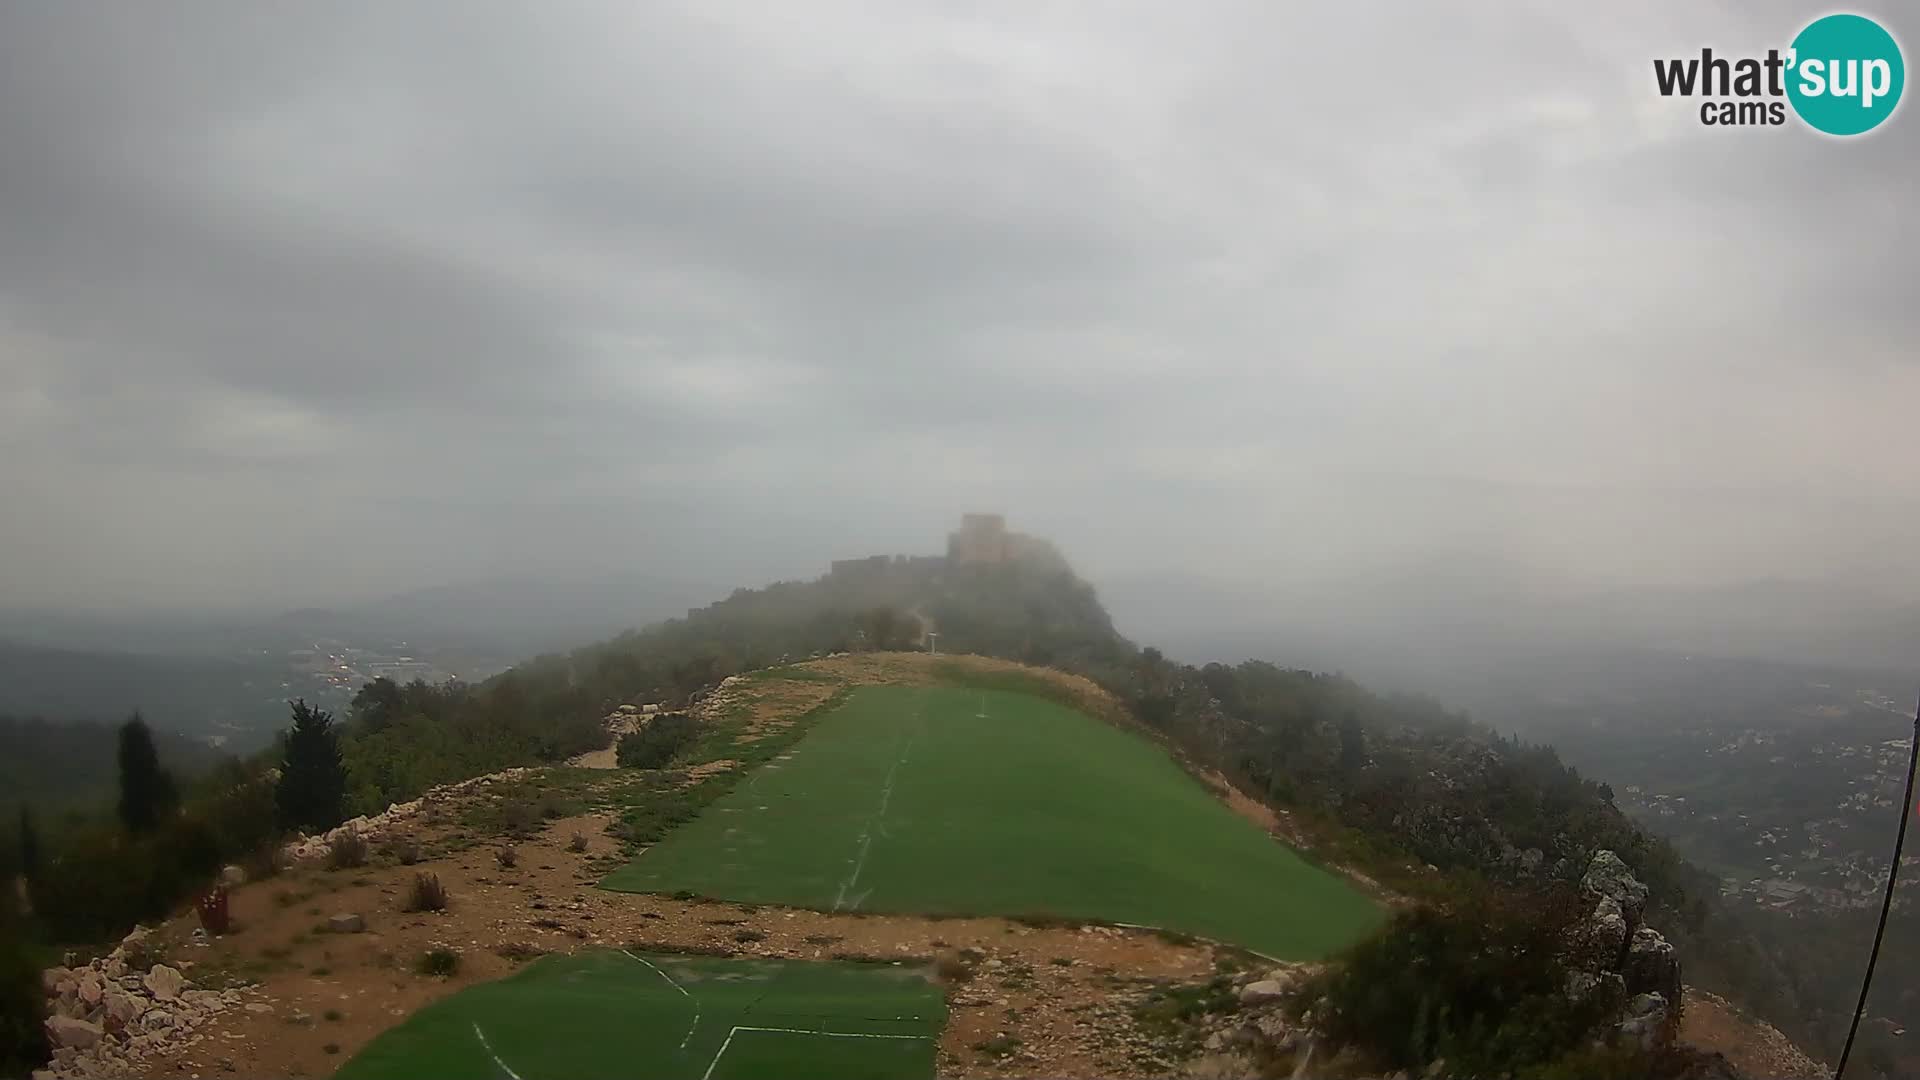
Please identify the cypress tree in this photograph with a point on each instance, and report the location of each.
(147, 794)
(312, 792)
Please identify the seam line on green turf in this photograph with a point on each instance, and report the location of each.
(683, 993)
(488, 1047)
(715, 1063)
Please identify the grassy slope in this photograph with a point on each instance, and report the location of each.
(1033, 809)
(604, 1013)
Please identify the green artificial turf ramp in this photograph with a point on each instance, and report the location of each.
(618, 1014)
(966, 802)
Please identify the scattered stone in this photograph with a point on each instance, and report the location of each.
(124, 1008)
(233, 876)
(164, 982)
(1266, 990)
(347, 923)
(72, 1034)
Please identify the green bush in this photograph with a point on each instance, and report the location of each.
(1479, 981)
(23, 1038)
(427, 894)
(438, 961)
(655, 745)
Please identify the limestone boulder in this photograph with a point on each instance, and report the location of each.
(1607, 876)
(1648, 1021)
(1263, 992)
(1651, 966)
(69, 1033)
(164, 983)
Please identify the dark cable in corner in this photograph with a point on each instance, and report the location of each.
(1893, 874)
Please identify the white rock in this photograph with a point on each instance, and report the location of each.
(124, 1008)
(71, 1034)
(1263, 991)
(164, 982)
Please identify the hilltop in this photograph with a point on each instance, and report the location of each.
(1413, 804)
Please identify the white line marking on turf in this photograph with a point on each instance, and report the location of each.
(676, 986)
(715, 1063)
(878, 817)
(488, 1047)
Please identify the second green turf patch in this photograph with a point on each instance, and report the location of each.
(948, 801)
(609, 1013)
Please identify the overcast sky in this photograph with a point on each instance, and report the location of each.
(305, 303)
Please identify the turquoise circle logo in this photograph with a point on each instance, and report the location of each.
(1846, 74)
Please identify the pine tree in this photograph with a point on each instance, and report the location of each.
(312, 792)
(147, 794)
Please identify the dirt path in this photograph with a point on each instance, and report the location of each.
(618, 724)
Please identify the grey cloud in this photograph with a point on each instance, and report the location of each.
(1283, 292)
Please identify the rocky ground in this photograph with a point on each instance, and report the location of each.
(319, 960)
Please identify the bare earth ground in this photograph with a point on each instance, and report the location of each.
(1042, 1000)
(1060, 1012)
(1712, 1023)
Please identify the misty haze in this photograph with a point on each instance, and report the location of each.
(1228, 540)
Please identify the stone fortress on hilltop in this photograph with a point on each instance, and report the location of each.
(981, 540)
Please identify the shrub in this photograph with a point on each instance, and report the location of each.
(578, 843)
(1478, 982)
(952, 967)
(520, 818)
(23, 1039)
(507, 857)
(655, 745)
(518, 952)
(346, 852)
(406, 851)
(438, 961)
(748, 937)
(96, 888)
(427, 894)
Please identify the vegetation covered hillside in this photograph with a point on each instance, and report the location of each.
(405, 739)
(1431, 804)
